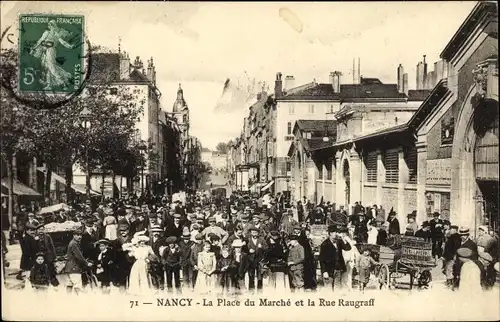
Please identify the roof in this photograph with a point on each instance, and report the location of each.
(316, 125)
(104, 68)
(463, 32)
(371, 88)
(206, 150)
(418, 94)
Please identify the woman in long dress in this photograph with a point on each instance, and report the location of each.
(111, 227)
(45, 50)
(207, 265)
(139, 280)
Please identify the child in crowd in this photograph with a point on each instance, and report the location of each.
(224, 270)
(363, 266)
(41, 276)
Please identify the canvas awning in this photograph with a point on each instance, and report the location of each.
(20, 189)
(54, 208)
(82, 189)
(267, 186)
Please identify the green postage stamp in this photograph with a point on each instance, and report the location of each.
(51, 53)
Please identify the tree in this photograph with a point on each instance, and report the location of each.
(221, 147)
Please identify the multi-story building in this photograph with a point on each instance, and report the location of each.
(193, 166)
(217, 160)
(441, 155)
(172, 137)
(119, 74)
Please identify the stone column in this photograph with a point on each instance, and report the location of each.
(356, 180)
(380, 178)
(402, 180)
(339, 186)
(421, 180)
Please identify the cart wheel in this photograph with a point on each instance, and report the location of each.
(383, 276)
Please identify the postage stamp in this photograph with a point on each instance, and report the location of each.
(51, 53)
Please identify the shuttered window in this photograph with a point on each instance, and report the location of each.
(411, 162)
(371, 166)
(391, 164)
(319, 166)
(328, 166)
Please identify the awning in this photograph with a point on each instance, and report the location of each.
(82, 189)
(267, 186)
(19, 188)
(53, 208)
(256, 187)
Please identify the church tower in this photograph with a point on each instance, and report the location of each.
(180, 111)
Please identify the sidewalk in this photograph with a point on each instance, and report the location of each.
(14, 259)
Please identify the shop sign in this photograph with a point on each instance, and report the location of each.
(438, 172)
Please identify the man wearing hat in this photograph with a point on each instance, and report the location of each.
(257, 247)
(174, 229)
(76, 264)
(185, 245)
(425, 231)
(393, 223)
(331, 258)
(171, 258)
(156, 268)
(437, 234)
(295, 264)
(467, 242)
(212, 228)
(225, 224)
(470, 274)
(451, 246)
(196, 248)
(105, 263)
(488, 275)
(487, 243)
(275, 259)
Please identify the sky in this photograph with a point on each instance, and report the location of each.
(200, 45)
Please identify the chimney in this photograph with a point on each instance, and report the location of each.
(420, 75)
(335, 81)
(425, 80)
(405, 83)
(401, 72)
(289, 83)
(278, 86)
(124, 66)
(151, 71)
(259, 96)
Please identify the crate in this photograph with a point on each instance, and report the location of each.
(416, 251)
(61, 241)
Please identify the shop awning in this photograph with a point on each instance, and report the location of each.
(82, 189)
(19, 188)
(267, 186)
(256, 187)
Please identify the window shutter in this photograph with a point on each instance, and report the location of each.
(391, 164)
(371, 166)
(411, 162)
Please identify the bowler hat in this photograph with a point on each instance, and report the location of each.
(177, 216)
(342, 229)
(425, 224)
(252, 227)
(171, 240)
(436, 214)
(464, 252)
(453, 227)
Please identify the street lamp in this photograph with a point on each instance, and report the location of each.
(85, 116)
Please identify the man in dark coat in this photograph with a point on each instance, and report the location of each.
(465, 242)
(331, 259)
(451, 246)
(424, 232)
(226, 225)
(76, 263)
(394, 228)
(257, 247)
(174, 229)
(185, 253)
(156, 268)
(437, 234)
(309, 264)
(35, 241)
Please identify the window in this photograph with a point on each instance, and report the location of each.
(329, 172)
(291, 109)
(371, 166)
(447, 130)
(113, 91)
(411, 162)
(288, 166)
(289, 125)
(391, 164)
(319, 166)
(184, 118)
(332, 109)
(311, 109)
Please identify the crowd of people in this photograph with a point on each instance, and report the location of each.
(209, 244)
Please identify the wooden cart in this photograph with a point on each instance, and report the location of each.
(404, 255)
